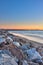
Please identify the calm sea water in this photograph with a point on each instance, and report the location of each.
(30, 33)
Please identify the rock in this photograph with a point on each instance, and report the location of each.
(16, 43)
(16, 51)
(1, 60)
(16, 59)
(6, 51)
(25, 62)
(8, 40)
(2, 40)
(6, 59)
(13, 62)
(40, 50)
(22, 40)
(33, 55)
(32, 63)
(25, 47)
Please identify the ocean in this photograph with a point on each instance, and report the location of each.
(30, 33)
(36, 36)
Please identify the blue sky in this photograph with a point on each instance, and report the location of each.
(27, 12)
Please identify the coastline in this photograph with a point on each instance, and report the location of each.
(32, 38)
(34, 41)
(17, 44)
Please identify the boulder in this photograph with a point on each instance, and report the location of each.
(33, 55)
(16, 43)
(16, 51)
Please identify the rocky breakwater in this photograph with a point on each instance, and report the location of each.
(16, 52)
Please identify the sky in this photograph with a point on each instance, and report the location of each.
(21, 14)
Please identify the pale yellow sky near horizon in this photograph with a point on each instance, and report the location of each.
(13, 26)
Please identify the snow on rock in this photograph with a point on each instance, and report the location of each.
(16, 43)
(6, 56)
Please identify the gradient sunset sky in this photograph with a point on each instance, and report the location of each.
(21, 14)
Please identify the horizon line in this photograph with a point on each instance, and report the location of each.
(20, 29)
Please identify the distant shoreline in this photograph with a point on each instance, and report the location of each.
(21, 29)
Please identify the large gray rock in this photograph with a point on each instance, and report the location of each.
(6, 58)
(33, 55)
